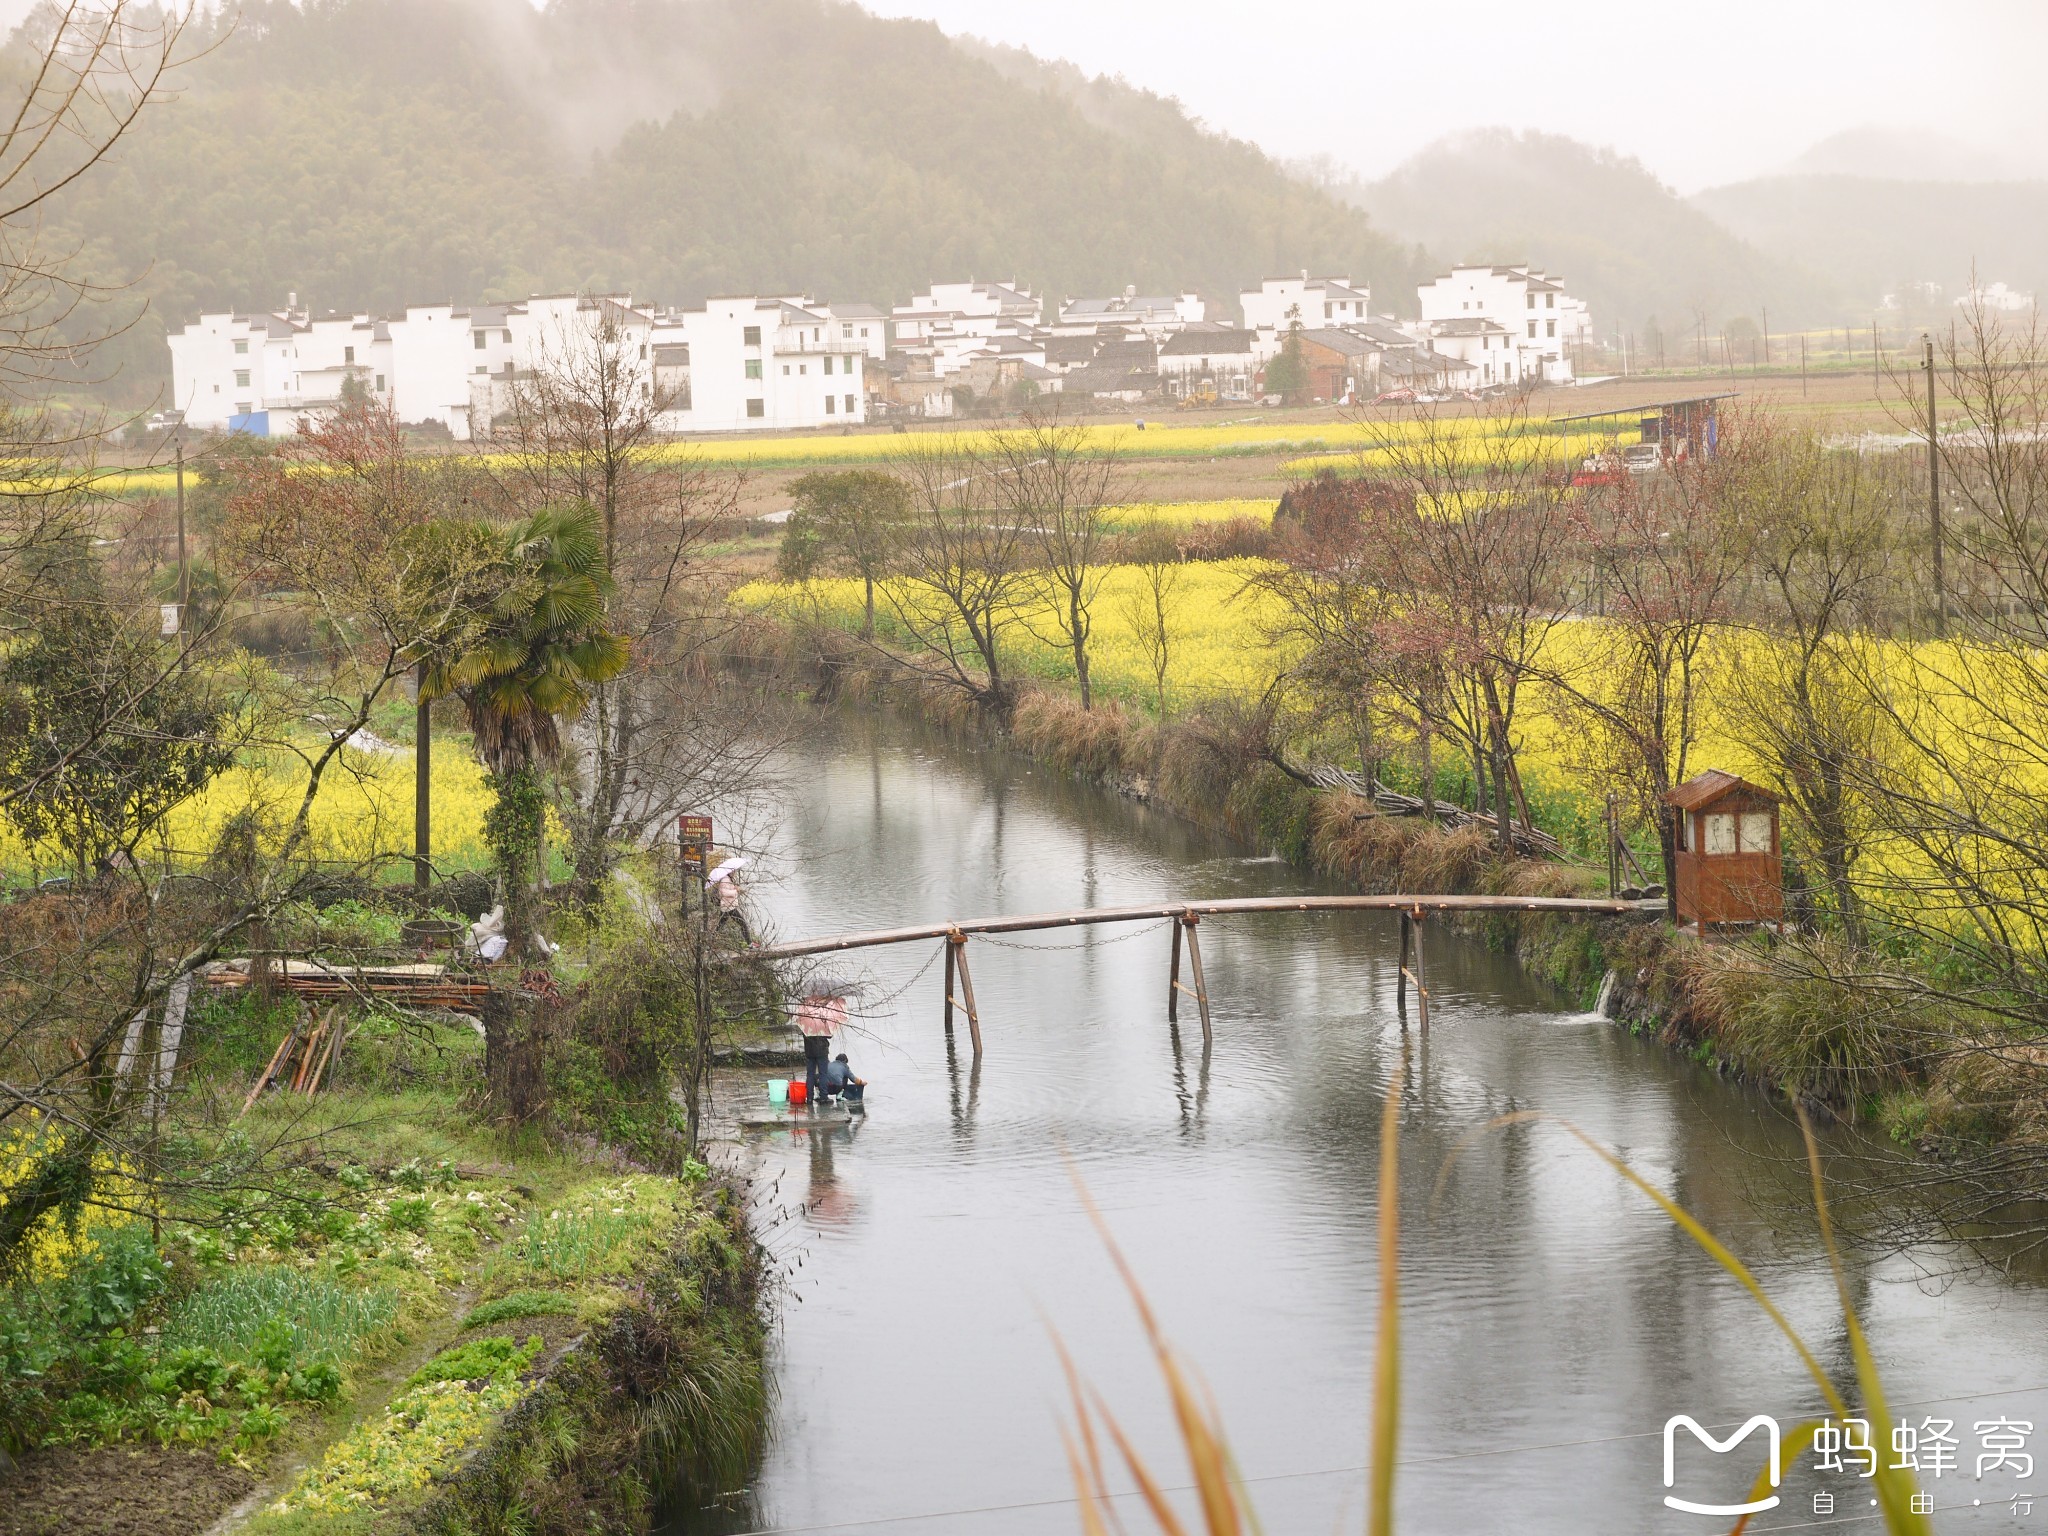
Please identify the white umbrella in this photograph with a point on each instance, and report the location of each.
(725, 869)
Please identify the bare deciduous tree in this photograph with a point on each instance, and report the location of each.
(1049, 477)
(1669, 551)
(965, 572)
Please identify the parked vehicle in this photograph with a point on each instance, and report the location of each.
(1643, 458)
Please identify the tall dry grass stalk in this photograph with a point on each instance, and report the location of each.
(1225, 1508)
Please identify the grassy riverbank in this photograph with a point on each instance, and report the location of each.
(387, 1307)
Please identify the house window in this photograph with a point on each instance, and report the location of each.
(1550, 301)
(241, 378)
(803, 367)
(751, 336)
(643, 351)
(348, 354)
(756, 408)
(1550, 327)
(480, 338)
(863, 333)
(243, 407)
(242, 348)
(380, 381)
(753, 367)
(829, 403)
(828, 365)
(785, 370)
(1532, 330)
(847, 329)
(1532, 300)
(483, 368)
(1326, 311)
(849, 405)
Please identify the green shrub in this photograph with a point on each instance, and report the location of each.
(498, 1358)
(520, 1304)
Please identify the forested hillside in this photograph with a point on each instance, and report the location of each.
(364, 153)
(1639, 254)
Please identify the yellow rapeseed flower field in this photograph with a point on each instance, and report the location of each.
(1216, 634)
(363, 812)
(1180, 513)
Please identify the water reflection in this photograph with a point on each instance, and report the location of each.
(1554, 1320)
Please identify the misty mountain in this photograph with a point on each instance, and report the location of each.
(1901, 154)
(367, 153)
(1634, 249)
(1878, 237)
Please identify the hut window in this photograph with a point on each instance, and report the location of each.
(1756, 832)
(1721, 833)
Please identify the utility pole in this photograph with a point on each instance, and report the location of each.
(422, 788)
(1767, 335)
(1934, 495)
(184, 570)
(1802, 365)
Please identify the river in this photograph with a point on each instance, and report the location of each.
(1553, 1320)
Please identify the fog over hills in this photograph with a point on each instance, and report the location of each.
(1877, 237)
(366, 153)
(1899, 154)
(1641, 255)
(1821, 245)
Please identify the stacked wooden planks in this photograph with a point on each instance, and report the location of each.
(415, 985)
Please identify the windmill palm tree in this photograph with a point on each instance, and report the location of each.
(541, 648)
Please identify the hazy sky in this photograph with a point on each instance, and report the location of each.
(1701, 93)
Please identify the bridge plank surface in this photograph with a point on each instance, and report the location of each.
(1574, 905)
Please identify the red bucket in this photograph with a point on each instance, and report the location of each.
(799, 1090)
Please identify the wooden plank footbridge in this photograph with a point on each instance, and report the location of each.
(1186, 917)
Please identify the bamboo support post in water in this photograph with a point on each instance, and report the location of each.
(1173, 980)
(1421, 974)
(949, 989)
(1201, 988)
(956, 949)
(1401, 980)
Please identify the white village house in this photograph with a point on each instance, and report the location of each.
(1313, 303)
(1538, 318)
(736, 364)
(1213, 360)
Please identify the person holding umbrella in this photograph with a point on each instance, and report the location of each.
(820, 1015)
(725, 881)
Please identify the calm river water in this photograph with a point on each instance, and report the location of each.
(1553, 1320)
